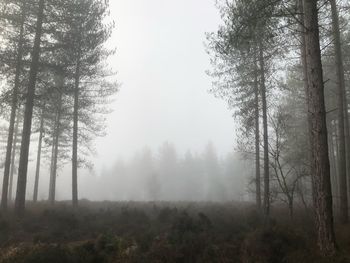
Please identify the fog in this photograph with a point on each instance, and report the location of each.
(161, 63)
(164, 99)
(174, 131)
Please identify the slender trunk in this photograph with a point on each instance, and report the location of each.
(291, 206)
(300, 192)
(332, 149)
(52, 160)
(52, 192)
(343, 213)
(52, 183)
(5, 185)
(336, 149)
(266, 136)
(347, 140)
(322, 194)
(54, 171)
(257, 138)
(28, 113)
(75, 136)
(38, 158)
(13, 158)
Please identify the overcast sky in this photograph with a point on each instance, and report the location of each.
(161, 63)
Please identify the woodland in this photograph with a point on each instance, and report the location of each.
(283, 69)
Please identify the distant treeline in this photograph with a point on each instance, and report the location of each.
(167, 176)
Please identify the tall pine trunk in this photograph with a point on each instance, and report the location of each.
(266, 135)
(5, 185)
(322, 194)
(28, 114)
(52, 189)
(38, 158)
(305, 77)
(75, 135)
(257, 136)
(343, 213)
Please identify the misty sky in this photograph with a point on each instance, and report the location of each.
(161, 63)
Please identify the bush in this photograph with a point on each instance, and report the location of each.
(270, 245)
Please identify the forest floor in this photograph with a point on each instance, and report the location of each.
(99, 232)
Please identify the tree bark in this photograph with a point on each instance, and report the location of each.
(347, 140)
(304, 67)
(38, 159)
(52, 161)
(305, 81)
(291, 206)
(5, 185)
(336, 154)
(28, 113)
(52, 190)
(322, 194)
(266, 135)
(75, 135)
(343, 212)
(333, 148)
(257, 137)
(13, 158)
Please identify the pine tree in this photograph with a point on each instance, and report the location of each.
(322, 194)
(27, 124)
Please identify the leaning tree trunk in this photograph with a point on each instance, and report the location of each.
(266, 136)
(343, 213)
(5, 185)
(75, 136)
(257, 136)
(38, 158)
(28, 114)
(322, 194)
(13, 158)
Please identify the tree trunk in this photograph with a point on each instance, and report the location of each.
(322, 194)
(13, 158)
(347, 140)
(38, 159)
(291, 206)
(305, 77)
(75, 136)
(266, 136)
(332, 149)
(257, 138)
(305, 82)
(52, 161)
(52, 191)
(5, 185)
(28, 113)
(343, 213)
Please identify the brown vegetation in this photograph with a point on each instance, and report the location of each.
(160, 232)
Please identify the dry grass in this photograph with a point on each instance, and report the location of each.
(160, 232)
